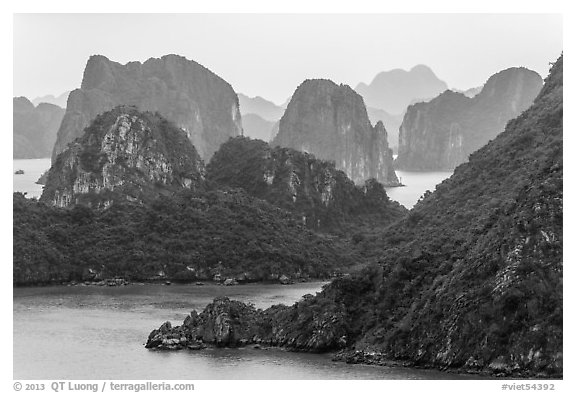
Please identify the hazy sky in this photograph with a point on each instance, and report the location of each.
(270, 55)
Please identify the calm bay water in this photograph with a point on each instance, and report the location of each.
(415, 185)
(99, 333)
(26, 182)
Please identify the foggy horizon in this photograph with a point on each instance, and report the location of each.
(347, 49)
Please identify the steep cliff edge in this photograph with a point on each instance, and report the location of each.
(391, 123)
(123, 154)
(441, 134)
(34, 128)
(183, 91)
(470, 280)
(323, 196)
(331, 122)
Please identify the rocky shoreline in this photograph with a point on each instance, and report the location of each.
(119, 282)
(498, 368)
(230, 323)
(310, 325)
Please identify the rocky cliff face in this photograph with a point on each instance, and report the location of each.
(305, 326)
(391, 123)
(123, 154)
(183, 91)
(323, 196)
(34, 128)
(479, 260)
(331, 122)
(394, 90)
(471, 279)
(441, 134)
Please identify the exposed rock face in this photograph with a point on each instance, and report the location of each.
(391, 123)
(183, 91)
(124, 154)
(322, 195)
(34, 128)
(441, 134)
(305, 326)
(472, 278)
(482, 258)
(394, 90)
(331, 122)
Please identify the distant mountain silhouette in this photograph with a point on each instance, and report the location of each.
(441, 134)
(267, 110)
(256, 127)
(394, 90)
(34, 128)
(471, 92)
(60, 100)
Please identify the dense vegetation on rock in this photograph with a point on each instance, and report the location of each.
(187, 236)
(472, 277)
(124, 154)
(322, 195)
(183, 91)
(34, 128)
(129, 198)
(331, 122)
(441, 134)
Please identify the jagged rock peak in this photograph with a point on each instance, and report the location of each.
(183, 91)
(124, 154)
(331, 121)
